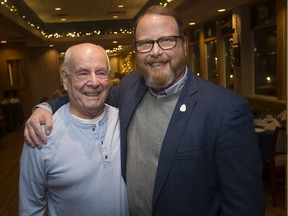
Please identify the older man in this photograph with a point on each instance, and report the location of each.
(80, 169)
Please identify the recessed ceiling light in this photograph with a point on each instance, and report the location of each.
(3, 41)
(115, 17)
(221, 10)
(57, 9)
(51, 45)
(63, 19)
(120, 6)
(114, 42)
(192, 23)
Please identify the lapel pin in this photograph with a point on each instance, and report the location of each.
(183, 108)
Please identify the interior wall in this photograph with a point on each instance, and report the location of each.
(16, 51)
(114, 62)
(44, 72)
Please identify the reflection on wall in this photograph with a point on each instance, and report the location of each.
(15, 73)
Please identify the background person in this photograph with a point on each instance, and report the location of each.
(80, 168)
(188, 145)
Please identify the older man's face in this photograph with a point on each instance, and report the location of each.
(88, 83)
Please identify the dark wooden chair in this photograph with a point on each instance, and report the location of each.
(277, 162)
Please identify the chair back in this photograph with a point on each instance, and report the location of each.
(279, 147)
(280, 140)
(278, 161)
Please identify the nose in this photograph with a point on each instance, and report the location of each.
(93, 81)
(156, 50)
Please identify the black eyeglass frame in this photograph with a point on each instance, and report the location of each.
(175, 37)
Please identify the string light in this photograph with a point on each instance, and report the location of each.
(13, 9)
(114, 50)
(56, 35)
(164, 4)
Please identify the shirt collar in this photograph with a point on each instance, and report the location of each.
(175, 88)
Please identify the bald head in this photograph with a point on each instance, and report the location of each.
(84, 51)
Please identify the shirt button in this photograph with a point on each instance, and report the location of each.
(93, 129)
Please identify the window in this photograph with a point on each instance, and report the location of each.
(211, 60)
(265, 49)
(195, 50)
(229, 62)
(265, 61)
(196, 58)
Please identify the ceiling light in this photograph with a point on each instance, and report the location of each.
(221, 10)
(192, 23)
(3, 42)
(115, 17)
(63, 19)
(120, 6)
(57, 9)
(115, 42)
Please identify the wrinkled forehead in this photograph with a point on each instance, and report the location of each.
(90, 59)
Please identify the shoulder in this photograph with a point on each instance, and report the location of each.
(216, 92)
(131, 79)
(61, 113)
(59, 121)
(113, 112)
(213, 97)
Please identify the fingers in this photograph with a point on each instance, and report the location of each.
(27, 137)
(48, 124)
(31, 135)
(36, 133)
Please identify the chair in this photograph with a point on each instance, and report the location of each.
(277, 162)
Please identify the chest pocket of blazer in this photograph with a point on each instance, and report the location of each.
(184, 155)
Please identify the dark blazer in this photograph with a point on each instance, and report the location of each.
(209, 162)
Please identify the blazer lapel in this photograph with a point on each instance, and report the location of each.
(179, 119)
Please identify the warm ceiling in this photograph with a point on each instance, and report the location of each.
(38, 24)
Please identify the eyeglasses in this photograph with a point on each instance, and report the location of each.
(165, 43)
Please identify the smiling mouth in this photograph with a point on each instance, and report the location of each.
(157, 63)
(91, 94)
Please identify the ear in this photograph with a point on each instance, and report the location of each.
(64, 76)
